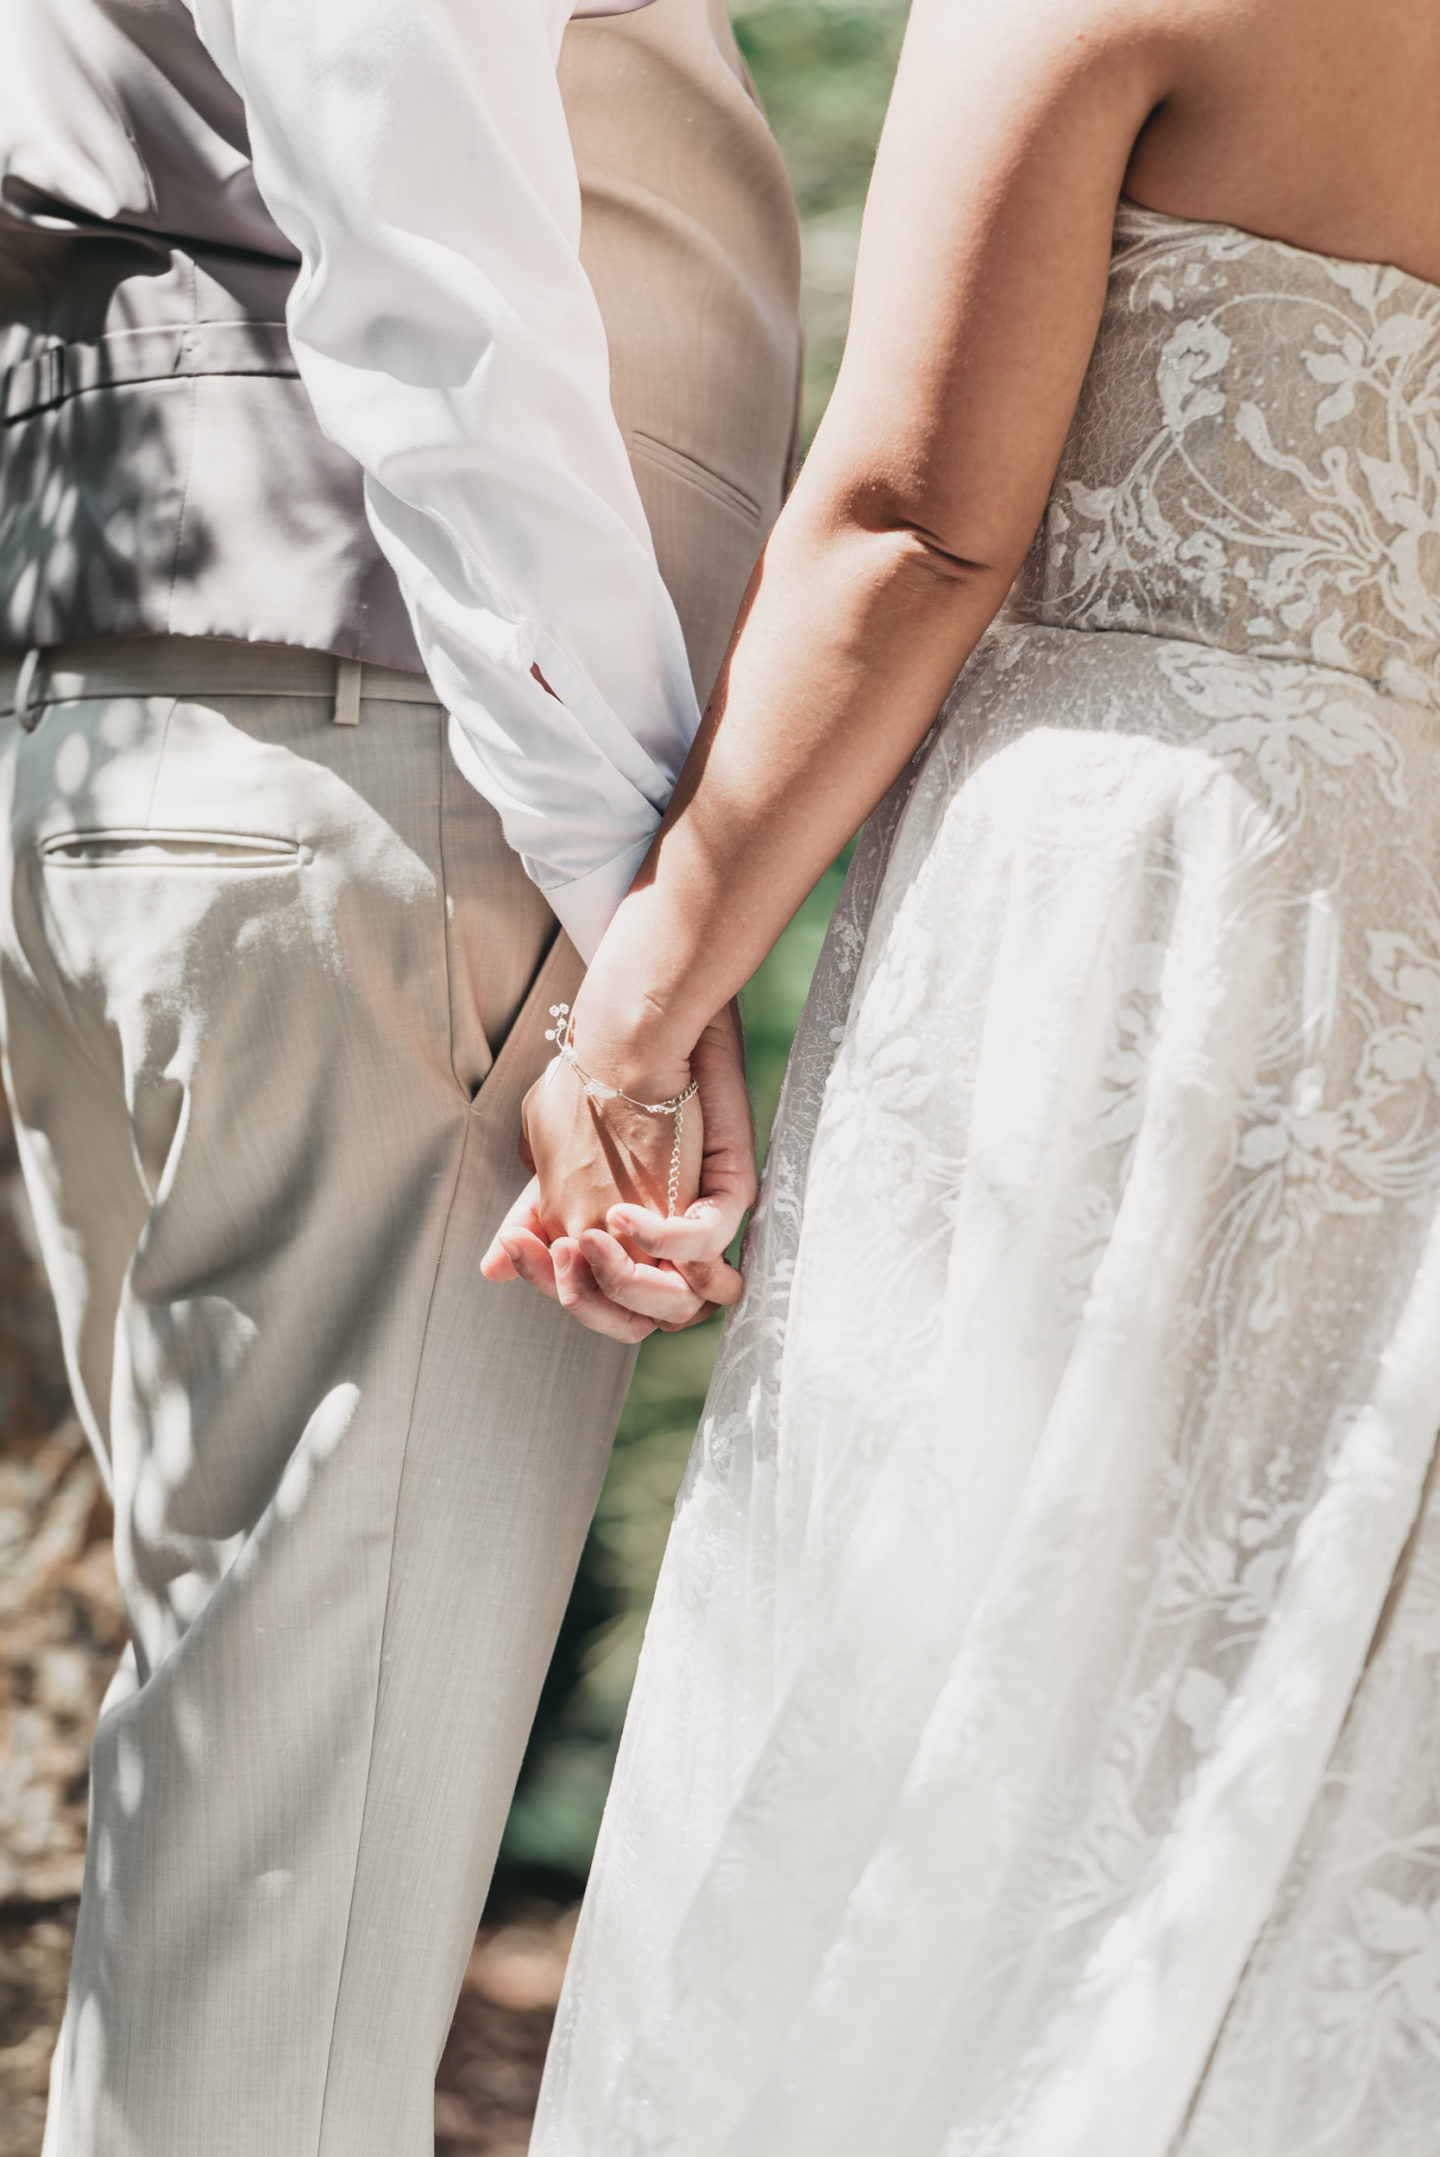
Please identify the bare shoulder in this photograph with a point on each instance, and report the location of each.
(1062, 39)
(1206, 32)
(1315, 121)
(1117, 59)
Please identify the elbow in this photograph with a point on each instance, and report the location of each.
(924, 553)
(917, 543)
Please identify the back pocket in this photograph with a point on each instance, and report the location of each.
(112, 849)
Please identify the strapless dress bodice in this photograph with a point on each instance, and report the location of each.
(1254, 462)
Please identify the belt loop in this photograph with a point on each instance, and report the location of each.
(24, 688)
(347, 692)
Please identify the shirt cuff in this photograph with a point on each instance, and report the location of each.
(586, 906)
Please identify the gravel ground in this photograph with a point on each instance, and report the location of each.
(34, 1959)
(490, 2075)
(61, 1631)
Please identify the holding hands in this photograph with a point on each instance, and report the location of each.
(644, 1166)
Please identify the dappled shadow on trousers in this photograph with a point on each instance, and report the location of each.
(61, 1630)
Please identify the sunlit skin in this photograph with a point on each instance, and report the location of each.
(1014, 127)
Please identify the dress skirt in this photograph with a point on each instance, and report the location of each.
(1036, 1749)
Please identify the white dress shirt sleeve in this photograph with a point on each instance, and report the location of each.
(415, 152)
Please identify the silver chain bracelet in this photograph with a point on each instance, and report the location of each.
(597, 1090)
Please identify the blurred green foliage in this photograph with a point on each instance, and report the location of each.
(824, 74)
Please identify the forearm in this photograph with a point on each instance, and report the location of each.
(851, 637)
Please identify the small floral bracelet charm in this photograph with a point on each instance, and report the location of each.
(597, 1090)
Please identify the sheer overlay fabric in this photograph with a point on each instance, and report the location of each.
(1036, 1748)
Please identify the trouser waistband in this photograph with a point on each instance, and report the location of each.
(196, 666)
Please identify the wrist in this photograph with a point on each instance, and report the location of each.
(628, 1043)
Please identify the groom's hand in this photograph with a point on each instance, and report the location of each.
(605, 1281)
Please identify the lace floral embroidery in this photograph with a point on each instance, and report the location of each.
(1036, 1749)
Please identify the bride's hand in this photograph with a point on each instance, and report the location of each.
(593, 1228)
(592, 1148)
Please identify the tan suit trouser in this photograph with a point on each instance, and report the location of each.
(272, 988)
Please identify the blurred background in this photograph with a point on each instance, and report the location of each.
(823, 69)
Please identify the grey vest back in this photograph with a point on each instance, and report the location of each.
(161, 470)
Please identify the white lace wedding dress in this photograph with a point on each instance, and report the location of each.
(1036, 1750)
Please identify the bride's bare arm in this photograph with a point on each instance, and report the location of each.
(982, 276)
(981, 279)
(979, 288)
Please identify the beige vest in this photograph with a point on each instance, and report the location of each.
(160, 467)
